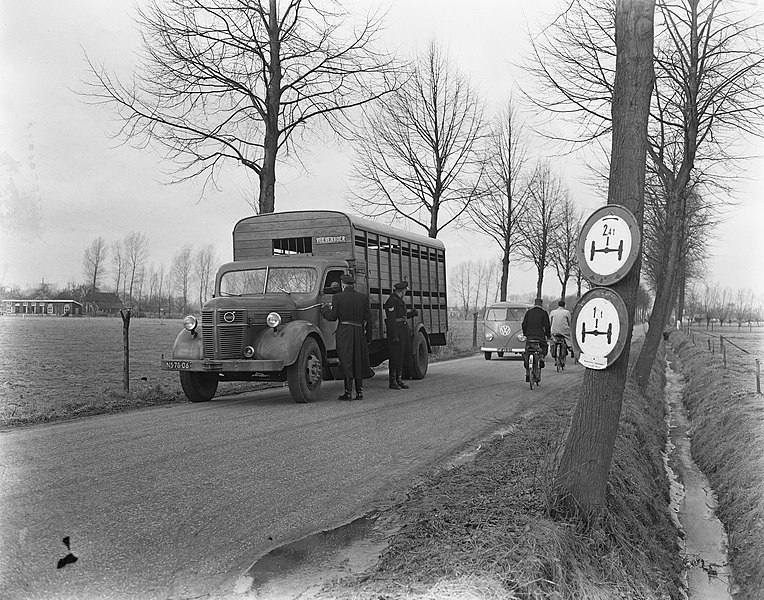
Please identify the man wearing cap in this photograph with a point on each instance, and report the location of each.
(398, 335)
(536, 327)
(353, 311)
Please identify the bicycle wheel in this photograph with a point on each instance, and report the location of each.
(561, 352)
(537, 370)
(532, 369)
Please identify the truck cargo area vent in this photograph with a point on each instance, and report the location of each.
(295, 245)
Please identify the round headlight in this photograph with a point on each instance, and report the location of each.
(189, 323)
(273, 319)
(489, 336)
(521, 337)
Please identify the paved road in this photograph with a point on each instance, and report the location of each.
(178, 501)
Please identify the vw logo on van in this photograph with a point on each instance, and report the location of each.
(504, 330)
(229, 317)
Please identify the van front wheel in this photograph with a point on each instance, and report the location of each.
(199, 387)
(304, 376)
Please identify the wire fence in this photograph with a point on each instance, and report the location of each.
(718, 344)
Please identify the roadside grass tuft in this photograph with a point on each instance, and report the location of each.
(727, 440)
(483, 530)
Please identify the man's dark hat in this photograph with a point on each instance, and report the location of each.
(347, 278)
(401, 285)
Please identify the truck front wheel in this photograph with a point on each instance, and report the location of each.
(199, 387)
(304, 376)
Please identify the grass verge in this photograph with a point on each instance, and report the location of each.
(483, 530)
(727, 441)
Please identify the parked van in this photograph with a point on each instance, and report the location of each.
(502, 325)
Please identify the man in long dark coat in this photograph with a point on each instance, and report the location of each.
(398, 334)
(353, 311)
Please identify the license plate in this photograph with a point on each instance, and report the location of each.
(177, 365)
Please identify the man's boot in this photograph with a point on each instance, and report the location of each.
(393, 382)
(399, 381)
(358, 393)
(348, 389)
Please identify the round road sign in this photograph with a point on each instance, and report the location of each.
(600, 326)
(608, 244)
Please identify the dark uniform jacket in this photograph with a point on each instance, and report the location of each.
(398, 334)
(353, 311)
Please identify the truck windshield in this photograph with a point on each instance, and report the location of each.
(291, 280)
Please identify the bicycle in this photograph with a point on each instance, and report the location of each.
(533, 349)
(560, 350)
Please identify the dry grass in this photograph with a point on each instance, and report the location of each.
(57, 369)
(483, 530)
(728, 437)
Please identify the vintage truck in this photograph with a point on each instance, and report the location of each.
(264, 321)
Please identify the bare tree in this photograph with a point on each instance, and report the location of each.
(242, 82)
(541, 220)
(564, 257)
(582, 474)
(461, 284)
(160, 288)
(136, 247)
(417, 147)
(182, 267)
(497, 210)
(206, 259)
(93, 262)
(118, 266)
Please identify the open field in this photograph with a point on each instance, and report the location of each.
(54, 367)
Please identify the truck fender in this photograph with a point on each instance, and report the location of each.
(188, 345)
(284, 343)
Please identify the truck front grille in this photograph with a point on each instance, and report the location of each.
(223, 331)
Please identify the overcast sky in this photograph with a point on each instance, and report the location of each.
(64, 182)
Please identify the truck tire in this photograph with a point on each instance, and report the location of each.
(198, 387)
(304, 376)
(419, 357)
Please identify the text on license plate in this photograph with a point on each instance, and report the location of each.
(178, 364)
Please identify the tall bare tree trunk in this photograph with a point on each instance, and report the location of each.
(664, 293)
(504, 275)
(583, 472)
(267, 198)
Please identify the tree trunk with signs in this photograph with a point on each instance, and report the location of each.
(582, 475)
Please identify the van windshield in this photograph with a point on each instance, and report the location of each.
(505, 314)
(266, 280)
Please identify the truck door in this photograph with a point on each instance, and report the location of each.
(331, 285)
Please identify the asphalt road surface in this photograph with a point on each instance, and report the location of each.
(179, 501)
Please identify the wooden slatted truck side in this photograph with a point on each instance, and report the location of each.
(264, 321)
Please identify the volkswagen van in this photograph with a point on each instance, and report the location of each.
(502, 325)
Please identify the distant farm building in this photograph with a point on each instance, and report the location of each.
(60, 308)
(102, 303)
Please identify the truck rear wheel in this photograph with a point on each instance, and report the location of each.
(304, 376)
(198, 387)
(419, 357)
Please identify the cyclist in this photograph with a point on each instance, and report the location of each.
(536, 327)
(560, 320)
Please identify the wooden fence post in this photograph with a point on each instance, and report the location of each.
(125, 314)
(758, 377)
(474, 329)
